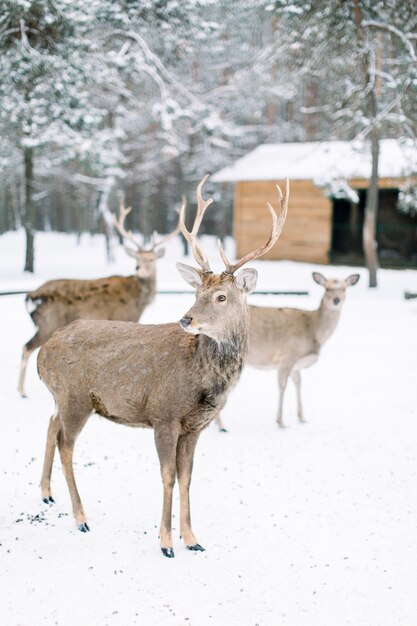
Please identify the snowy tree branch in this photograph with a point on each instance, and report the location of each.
(395, 31)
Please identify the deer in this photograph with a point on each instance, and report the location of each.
(290, 339)
(172, 377)
(59, 302)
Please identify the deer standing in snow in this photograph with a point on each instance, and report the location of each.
(157, 376)
(59, 302)
(289, 339)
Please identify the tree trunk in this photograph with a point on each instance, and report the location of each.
(29, 209)
(372, 88)
(107, 217)
(370, 246)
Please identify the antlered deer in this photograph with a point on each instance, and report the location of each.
(291, 339)
(56, 303)
(157, 376)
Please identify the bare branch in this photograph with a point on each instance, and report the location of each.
(395, 31)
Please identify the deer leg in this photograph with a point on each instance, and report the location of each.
(296, 376)
(166, 446)
(219, 422)
(66, 451)
(51, 441)
(28, 348)
(282, 383)
(185, 455)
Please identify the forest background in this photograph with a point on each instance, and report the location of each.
(141, 99)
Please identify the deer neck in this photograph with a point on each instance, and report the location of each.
(147, 286)
(326, 322)
(220, 363)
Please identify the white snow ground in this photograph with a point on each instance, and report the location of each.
(312, 525)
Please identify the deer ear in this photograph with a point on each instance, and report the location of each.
(160, 253)
(131, 252)
(191, 275)
(352, 280)
(246, 280)
(319, 279)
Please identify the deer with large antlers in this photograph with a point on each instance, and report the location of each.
(157, 376)
(56, 303)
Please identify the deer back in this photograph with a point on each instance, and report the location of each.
(278, 335)
(141, 375)
(285, 335)
(58, 302)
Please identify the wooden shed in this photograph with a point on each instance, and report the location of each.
(328, 183)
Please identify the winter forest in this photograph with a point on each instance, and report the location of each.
(112, 98)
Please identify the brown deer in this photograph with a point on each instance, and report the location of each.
(56, 303)
(156, 376)
(289, 339)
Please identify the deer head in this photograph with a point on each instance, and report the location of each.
(221, 299)
(145, 256)
(335, 293)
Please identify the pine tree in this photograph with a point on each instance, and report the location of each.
(43, 96)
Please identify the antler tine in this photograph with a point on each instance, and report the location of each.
(191, 237)
(120, 224)
(158, 242)
(277, 226)
(201, 205)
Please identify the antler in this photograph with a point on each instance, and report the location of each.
(191, 237)
(277, 226)
(120, 224)
(158, 242)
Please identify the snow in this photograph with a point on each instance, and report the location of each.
(308, 161)
(314, 525)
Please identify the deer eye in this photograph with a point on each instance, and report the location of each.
(221, 298)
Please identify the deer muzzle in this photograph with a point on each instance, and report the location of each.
(185, 321)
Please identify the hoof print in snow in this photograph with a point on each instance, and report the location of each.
(84, 527)
(168, 552)
(196, 548)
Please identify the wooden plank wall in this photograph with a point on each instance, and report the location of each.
(307, 231)
(383, 183)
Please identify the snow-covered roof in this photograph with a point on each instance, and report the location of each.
(318, 160)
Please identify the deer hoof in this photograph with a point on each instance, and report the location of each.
(48, 500)
(224, 430)
(168, 552)
(196, 548)
(84, 527)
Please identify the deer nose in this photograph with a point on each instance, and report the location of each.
(186, 321)
(336, 300)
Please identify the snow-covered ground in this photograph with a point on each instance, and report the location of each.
(314, 525)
